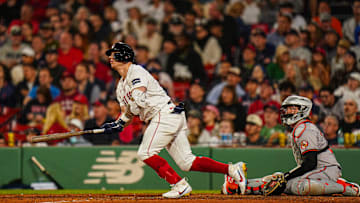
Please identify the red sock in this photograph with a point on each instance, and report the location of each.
(163, 169)
(205, 164)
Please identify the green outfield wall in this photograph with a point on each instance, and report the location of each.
(119, 168)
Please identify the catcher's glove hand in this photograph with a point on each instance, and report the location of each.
(276, 185)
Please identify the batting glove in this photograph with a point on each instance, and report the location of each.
(113, 127)
(179, 108)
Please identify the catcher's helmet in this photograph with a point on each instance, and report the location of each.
(304, 104)
(122, 52)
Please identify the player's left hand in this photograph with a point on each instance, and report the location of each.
(113, 127)
(179, 108)
(276, 184)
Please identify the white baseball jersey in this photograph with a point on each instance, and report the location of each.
(156, 97)
(307, 137)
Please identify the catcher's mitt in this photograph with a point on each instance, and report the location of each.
(276, 185)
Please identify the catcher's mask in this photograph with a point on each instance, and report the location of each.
(122, 52)
(303, 104)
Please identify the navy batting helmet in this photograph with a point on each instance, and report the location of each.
(122, 52)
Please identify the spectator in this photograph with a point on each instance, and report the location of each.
(142, 55)
(10, 53)
(122, 7)
(35, 110)
(56, 70)
(252, 93)
(271, 129)
(168, 48)
(54, 121)
(351, 88)
(26, 15)
(85, 86)
(331, 127)
(102, 71)
(286, 89)
(26, 32)
(111, 17)
(252, 129)
(17, 72)
(82, 13)
(221, 72)
(351, 23)
(38, 45)
(331, 40)
(10, 10)
(47, 33)
(325, 20)
(30, 133)
(80, 109)
(156, 10)
(101, 30)
(340, 77)
(190, 23)
(100, 117)
(69, 92)
(258, 73)
(228, 28)
(151, 37)
(7, 90)
(226, 132)
(164, 79)
(337, 62)
(2, 140)
(196, 97)
(330, 104)
(66, 21)
(69, 56)
(29, 81)
(292, 41)
(275, 70)
(194, 126)
(233, 79)
(185, 64)
(175, 27)
(293, 75)
(251, 13)
(264, 50)
(350, 121)
(236, 10)
(284, 25)
(45, 80)
(248, 61)
(210, 135)
(75, 125)
(3, 35)
(56, 24)
(266, 92)
(318, 73)
(298, 22)
(230, 108)
(208, 48)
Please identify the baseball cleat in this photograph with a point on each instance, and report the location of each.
(229, 187)
(238, 171)
(354, 186)
(182, 188)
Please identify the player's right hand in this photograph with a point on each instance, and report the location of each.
(113, 127)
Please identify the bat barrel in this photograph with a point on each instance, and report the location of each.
(57, 136)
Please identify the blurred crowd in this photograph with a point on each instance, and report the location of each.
(231, 61)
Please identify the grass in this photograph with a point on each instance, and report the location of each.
(7, 192)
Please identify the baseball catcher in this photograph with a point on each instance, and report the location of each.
(317, 173)
(140, 94)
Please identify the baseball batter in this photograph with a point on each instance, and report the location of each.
(318, 172)
(140, 94)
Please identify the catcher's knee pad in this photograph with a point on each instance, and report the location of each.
(303, 187)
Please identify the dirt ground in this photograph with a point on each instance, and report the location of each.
(208, 198)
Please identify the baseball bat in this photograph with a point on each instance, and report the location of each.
(57, 136)
(45, 172)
